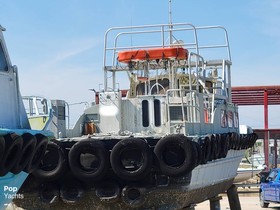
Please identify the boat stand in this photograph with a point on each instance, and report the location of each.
(233, 198)
(215, 203)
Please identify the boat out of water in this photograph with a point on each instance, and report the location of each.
(171, 140)
(247, 171)
(21, 149)
(167, 142)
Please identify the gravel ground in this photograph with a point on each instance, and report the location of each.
(248, 201)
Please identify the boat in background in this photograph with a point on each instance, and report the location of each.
(21, 148)
(247, 171)
(47, 115)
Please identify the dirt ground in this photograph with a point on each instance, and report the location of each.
(248, 201)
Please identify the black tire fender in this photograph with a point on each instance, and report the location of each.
(72, 192)
(53, 164)
(224, 145)
(214, 146)
(205, 145)
(98, 167)
(127, 151)
(253, 139)
(2, 148)
(198, 152)
(38, 153)
(243, 143)
(133, 196)
(175, 154)
(25, 155)
(108, 192)
(236, 141)
(13, 146)
(49, 193)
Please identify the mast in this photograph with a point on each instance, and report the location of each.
(170, 23)
(172, 71)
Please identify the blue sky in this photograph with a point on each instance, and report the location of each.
(58, 45)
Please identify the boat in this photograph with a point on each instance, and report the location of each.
(21, 148)
(247, 171)
(169, 141)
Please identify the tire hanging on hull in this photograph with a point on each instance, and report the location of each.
(214, 147)
(49, 193)
(53, 165)
(205, 145)
(2, 148)
(25, 155)
(38, 153)
(175, 155)
(133, 196)
(131, 159)
(13, 146)
(89, 160)
(224, 145)
(72, 192)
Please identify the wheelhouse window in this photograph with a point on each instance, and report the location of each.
(145, 113)
(3, 61)
(230, 119)
(157, 116)
(223, 118)
(236, 120)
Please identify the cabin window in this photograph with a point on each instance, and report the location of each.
(230, 119)
(236, 120)
(157, 116)
(176, 113)
(145, 113)
(61, 112)
(3, 61)
(223, 118)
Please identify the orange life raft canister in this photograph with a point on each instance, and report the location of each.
(153, 54)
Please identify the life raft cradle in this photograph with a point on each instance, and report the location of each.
(178, 53)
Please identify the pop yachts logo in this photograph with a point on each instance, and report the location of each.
(11, 193)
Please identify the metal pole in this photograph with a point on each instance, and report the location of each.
(266, 137)
(275, 152)
(170, 24)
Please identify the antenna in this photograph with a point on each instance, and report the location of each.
(170, 24)
(170, 13)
